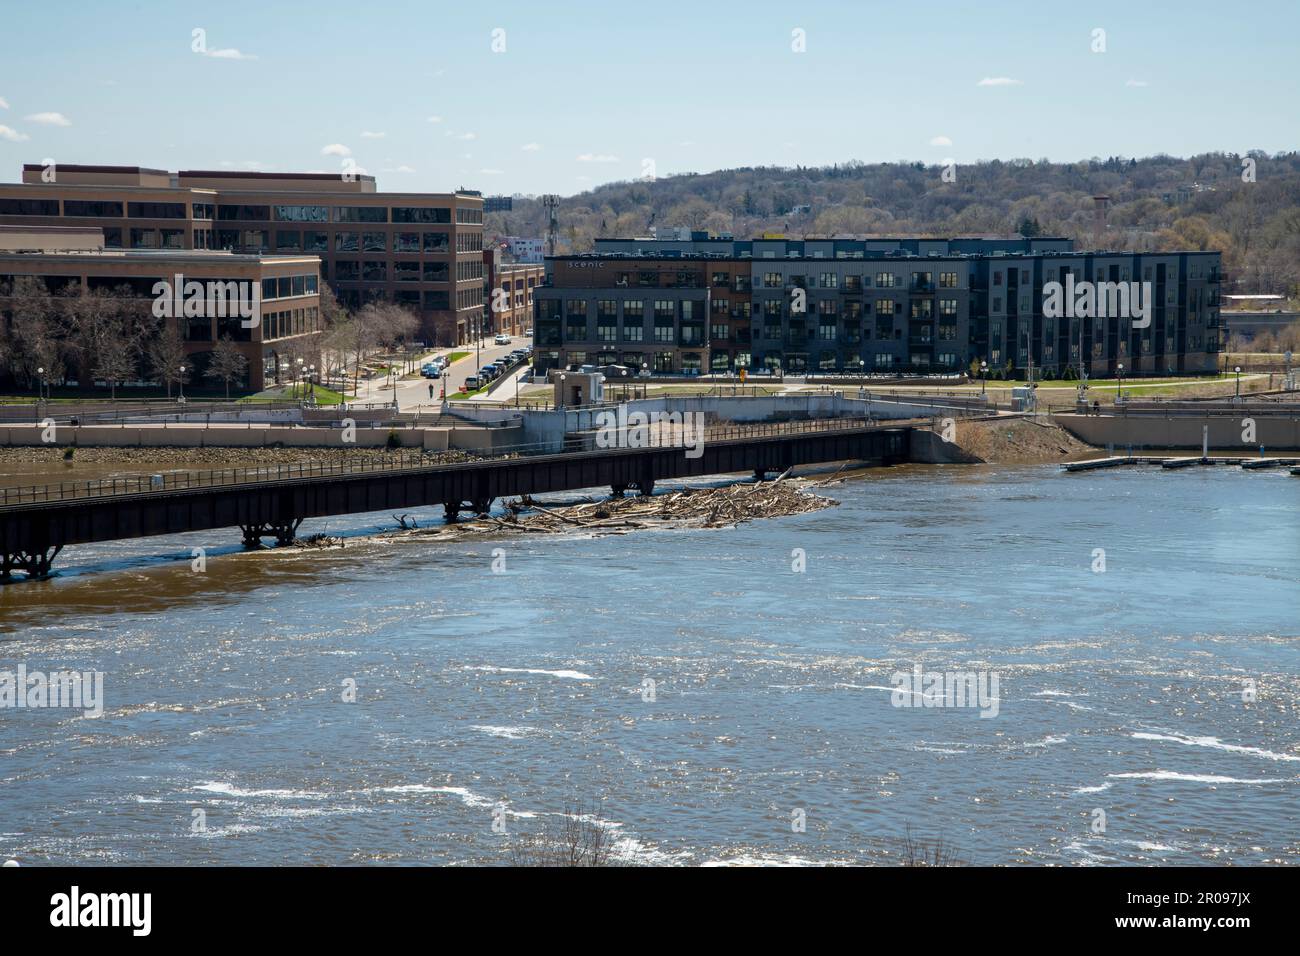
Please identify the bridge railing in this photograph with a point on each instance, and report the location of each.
(400, 461)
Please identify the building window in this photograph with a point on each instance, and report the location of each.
(885, 280)
(947, 280)
(238, 213)
(361, 214)
(156, 210)
(83, 207)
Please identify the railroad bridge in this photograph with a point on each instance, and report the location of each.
(36, 523)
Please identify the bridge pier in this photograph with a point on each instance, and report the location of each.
(617, 491)
(451, 510)
(645, 487)
(35, 564)
(283, 531)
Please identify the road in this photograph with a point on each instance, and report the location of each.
(413, 393)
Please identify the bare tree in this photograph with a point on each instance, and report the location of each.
(576, 837)
(102, 333)
(167, 355)
(35, 339)
(227, 364)
(937, 852)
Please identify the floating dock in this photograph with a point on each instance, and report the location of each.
(1116, 461)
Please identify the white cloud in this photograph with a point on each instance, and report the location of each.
(462, 136)
(398, 169)
(530, 147)
(435, 119)
(50, 119)
(335, 149)
(941, 141)
(4, 104)
(13, 135)
(998, 81)
(1137, 83)
(230, 53)
(367, 134)
(597, 158)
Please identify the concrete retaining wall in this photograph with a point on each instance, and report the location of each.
(471, 438)
(1276, 433)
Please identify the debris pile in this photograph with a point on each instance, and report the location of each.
(318, 541)
(720, 507)
(690, 507)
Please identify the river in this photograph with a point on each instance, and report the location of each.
(1145, 713)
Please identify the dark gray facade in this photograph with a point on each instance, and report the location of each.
(877, 306)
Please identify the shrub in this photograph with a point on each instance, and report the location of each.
(394, 439)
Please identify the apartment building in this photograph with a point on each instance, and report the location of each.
(286, 325)
(526, 250)
(880, 305)
(421, 250)
(508, 289)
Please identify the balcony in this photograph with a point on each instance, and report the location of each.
(921, 288)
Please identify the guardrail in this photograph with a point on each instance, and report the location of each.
(180, 481)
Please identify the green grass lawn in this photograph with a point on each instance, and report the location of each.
(290, 393)
(464, 396)
(456, 357)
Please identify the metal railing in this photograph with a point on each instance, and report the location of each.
(404, 461)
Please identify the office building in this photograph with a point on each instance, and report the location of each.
(421, 250)
(65, 259)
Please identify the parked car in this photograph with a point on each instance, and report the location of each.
(487, 372)
(471, 382)
(432, 371)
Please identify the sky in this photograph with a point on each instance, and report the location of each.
(533, 97)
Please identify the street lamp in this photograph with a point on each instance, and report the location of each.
(1238, 370)
(181, 384)
(984, 377)
(563, 397)
(40, 388)
(1119, 394)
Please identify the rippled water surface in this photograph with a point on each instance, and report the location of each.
(1118, 691)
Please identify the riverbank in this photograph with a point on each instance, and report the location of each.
(1019, 441)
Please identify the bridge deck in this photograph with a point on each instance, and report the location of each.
(35, 523)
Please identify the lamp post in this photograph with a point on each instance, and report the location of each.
(984, 377)
(311, 383)
(180, 382)
(1119, 394)
(563, 397)
(478, 338)
(1238, 371)
(40, 386)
